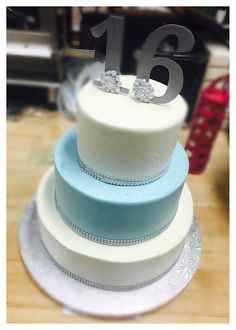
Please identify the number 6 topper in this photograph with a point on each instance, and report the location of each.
(142, 89)
(147, 62)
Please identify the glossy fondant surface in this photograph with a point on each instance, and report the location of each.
(116, 212)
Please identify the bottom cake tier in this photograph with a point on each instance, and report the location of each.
(110, 267)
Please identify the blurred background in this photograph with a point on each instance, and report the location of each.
(51, 53)
(47, 47)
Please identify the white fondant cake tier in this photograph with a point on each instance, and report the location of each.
(110, 265)
(126, 139)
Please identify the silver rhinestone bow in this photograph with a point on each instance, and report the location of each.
(110, 81)
(143, 90)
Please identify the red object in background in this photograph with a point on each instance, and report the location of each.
(206, 122)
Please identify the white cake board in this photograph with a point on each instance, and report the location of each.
(84, 299)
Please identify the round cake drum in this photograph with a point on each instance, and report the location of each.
(88, 300)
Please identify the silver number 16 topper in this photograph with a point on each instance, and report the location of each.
(142, 89)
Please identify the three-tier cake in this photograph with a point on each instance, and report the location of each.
(115, 210)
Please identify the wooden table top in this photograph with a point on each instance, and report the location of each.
(30, 142)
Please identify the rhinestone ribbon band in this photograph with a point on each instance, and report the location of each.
(103, 240)
(106, 286)
(116, 181)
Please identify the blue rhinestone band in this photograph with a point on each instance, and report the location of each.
(116, 181)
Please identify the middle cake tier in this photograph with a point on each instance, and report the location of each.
(115, 215)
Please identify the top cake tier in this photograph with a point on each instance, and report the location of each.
(121, 139)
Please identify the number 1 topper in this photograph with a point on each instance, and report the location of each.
(110, 79)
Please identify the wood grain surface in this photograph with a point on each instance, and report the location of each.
(31, 138)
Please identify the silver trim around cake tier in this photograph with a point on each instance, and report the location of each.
(103, 240)
(117, 181)
(107, 287)
(82, 298)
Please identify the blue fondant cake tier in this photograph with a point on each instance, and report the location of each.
(104, 212)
